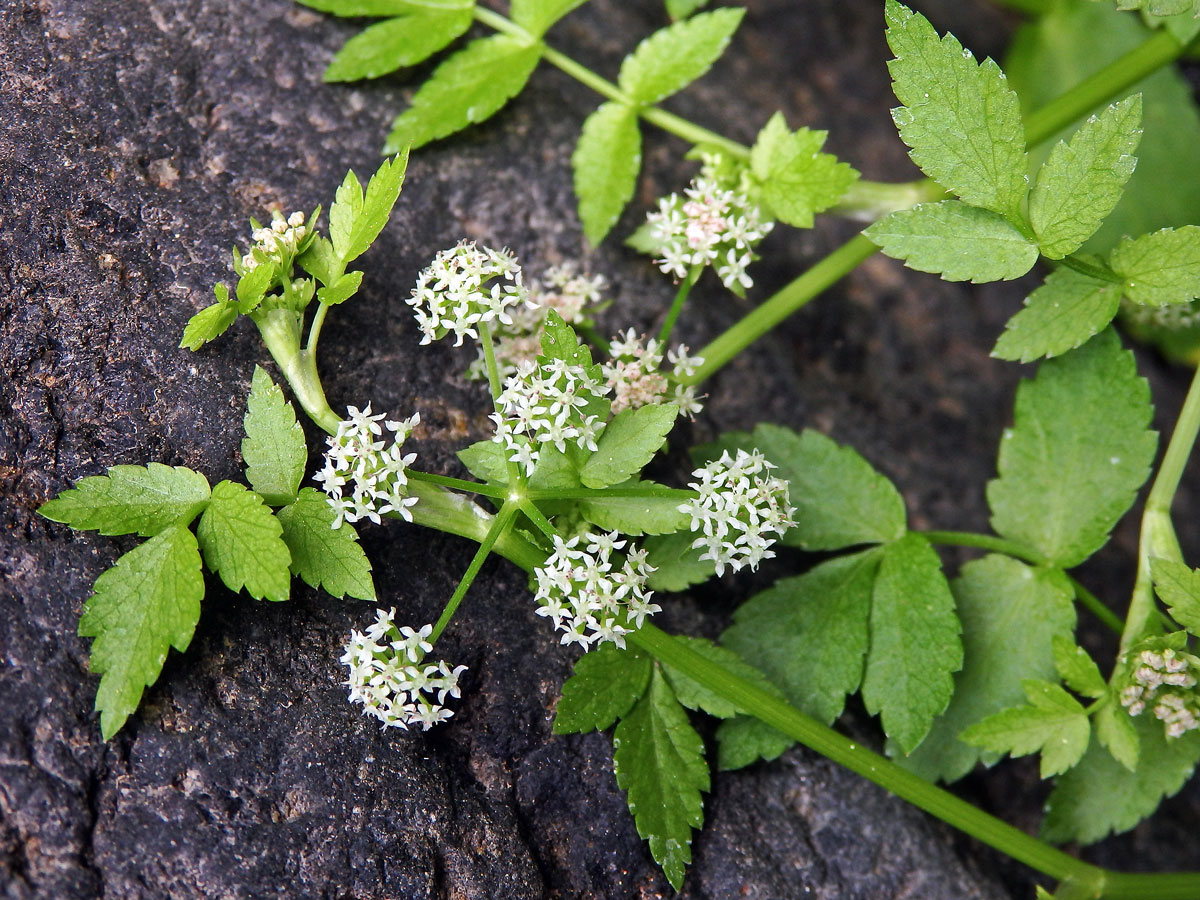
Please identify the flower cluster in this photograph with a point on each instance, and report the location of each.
(633, 373)
(389, 678)
(1174, 316)
(560, 290)
(547, 404)
(1163, 678)
(363, 477)
(740, 512)
(282, 238)
(466, 286)
(708, 225)
(579, 591)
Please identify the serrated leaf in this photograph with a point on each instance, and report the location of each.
(1077, 453)
(242, 542)
(957, 241)
(254, 283)
(743, 740)
(1077, 670)
(1179, 588)
(559, 341)
(960, 120)
(208, 325)
(1082, 181)
(341, 290)
(1064, 313)
(346, 209)
(355, 220)
(636, 515)
(659, 760)
(603, 688)
(536, 16)
(273, 449)
(996, 597)
(673, 57)
(1114, 728)
(324, 556)
(797, 180)
(628, 443)
(131, 500)
(145, 604)
(677, 564)
(555, 470)
(320, 261)
(395, 43)
(469, 87)
(486, 460)
(1078, 811)
(606, 162)
(696, 696)
(1160, 268)
(808, 634)
(915, 645)
(1054, 724)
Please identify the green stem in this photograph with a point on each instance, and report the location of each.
(1082, 266)
(770, 313)
(515, 475)
(1162, 886)
(1159, 50)
(780, 715)
(455, 514)
(681, 295)
(314, 331)
(869, 201)
(498, 492)
(1095, 606)
(538, 518)
(596, 493)
(499, 524)
(280, 330)
(1158, 534)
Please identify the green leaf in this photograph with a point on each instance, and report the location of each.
(1062, 314)
(559, 341)
(808, 634)
(1082, 181)
(394, 43)
(242, 543)
(346, 209)
(915, 646)
(681, 9)
(341, 290)
(1160, 268)
(603, 688)
(469, 87)
(359, 8)
(355, 221)
(797, 179)
(1070, 41)
(696, 696)
(1100, 796)
(1179, 588)
(636, 515)
(677, 563)
(254, 283)
(273, 449)
(1077, 670)
(673, 57)
(1114, 728)
(743, 740)
(606, 162)
(536, 16)
(486, 460)
(1054, 723)
(210, 323)
(554, 470)
(961, 120)
(320, 261)
(628, 443)
(148, 602)
(1077, 453)
(660, 765)
(131, 500)
(324, 556)
(996, 598)
(956, 241)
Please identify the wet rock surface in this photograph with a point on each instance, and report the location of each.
(135, 141)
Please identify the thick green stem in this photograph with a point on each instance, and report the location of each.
(455, 514)
(679, 494)
(770, 313)
(498, 527)
(280, 331)
(498, 492)
(681, 295)
(1158, 534)
(869, 201)
(779, 714)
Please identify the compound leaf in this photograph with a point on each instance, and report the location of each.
(1053, 722)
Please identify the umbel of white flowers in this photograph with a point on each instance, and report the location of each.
(634, 374)
(1163, 680)
(389, 677)
(464, 287)
(281, 238)
(363, 476)
(740, 512)
(588, 595)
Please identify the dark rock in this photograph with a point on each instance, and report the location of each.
(137, 139)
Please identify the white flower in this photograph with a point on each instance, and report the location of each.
(1163, 677)
(708, 225)
(362, 479)
(633, 373)
(387, 677)
(282, 238)
(582, 595)
(463, 287)
(740, 512)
